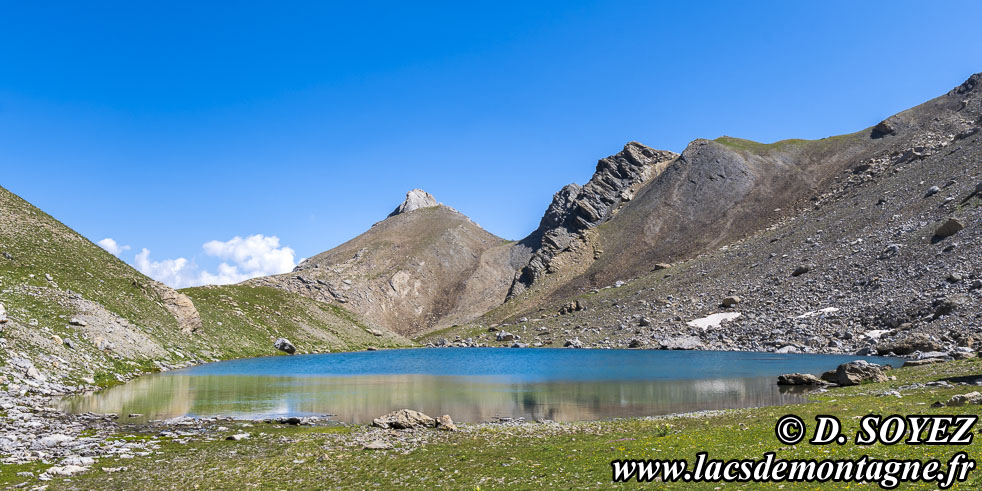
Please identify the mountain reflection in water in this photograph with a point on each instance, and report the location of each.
(578, 385)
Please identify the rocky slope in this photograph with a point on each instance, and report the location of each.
(75, 315)
(830, 246)
(424, 266)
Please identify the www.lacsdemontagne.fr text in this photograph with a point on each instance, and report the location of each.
(886, 473)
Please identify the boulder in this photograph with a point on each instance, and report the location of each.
(661, 266)
(950, 227)
(377, 445)
(883, 128)
(504, 336)
(237, 437)
(962, 399)
(3, 314)
(931, 191)
(922, 362)
(908, 345)
(573, 343)
(445, 423)
(731, 301)
(949, 304)
(634, 343)
(855, 373)
(799, 379)
(570, 307)
(78, 322)
(404, 419)
(285, 346)
(681, 343)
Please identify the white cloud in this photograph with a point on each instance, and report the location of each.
(111, 246)
(255, 255)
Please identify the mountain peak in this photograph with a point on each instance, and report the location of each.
(415, 199)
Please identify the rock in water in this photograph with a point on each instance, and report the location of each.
(415, 199)
(404, 419)
(799, 379)
(855, 373)
(950, 227)
(285, 346)
(445, 423)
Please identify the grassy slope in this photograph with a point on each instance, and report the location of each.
(250, 317)
(531, 456)
(242, 320)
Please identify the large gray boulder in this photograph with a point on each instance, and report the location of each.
(285, 346)
(855, 373)
(404, 419)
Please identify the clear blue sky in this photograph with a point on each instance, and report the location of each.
(165, 125)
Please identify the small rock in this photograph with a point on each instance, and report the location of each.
(922, 362)
(238, 437)
(889, 251)
(48, 277)
(800, 270)
(931, 191)
(661, 266)
(285, 346)
(950, 227)
(731, 301)
(66, 470)
(799, 379)
(78, 322)
(377, 445)
(644, 321)
(3, 314)
(445, 423)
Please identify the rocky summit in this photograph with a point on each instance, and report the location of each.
(415, 199)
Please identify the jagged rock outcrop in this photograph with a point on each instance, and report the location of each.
(415, 199)
(179, 305)
(575, 209)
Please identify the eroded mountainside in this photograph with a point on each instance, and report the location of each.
(71, 313)
(846, 224)
(425, 265)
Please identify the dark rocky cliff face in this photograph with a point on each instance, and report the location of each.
(575, 209)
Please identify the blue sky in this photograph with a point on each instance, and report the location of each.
(172, 125)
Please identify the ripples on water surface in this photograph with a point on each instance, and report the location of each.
(470, 384)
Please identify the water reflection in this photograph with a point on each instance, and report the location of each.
(471, 384)
(358, 399)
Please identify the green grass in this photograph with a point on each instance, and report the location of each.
(536, 456)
